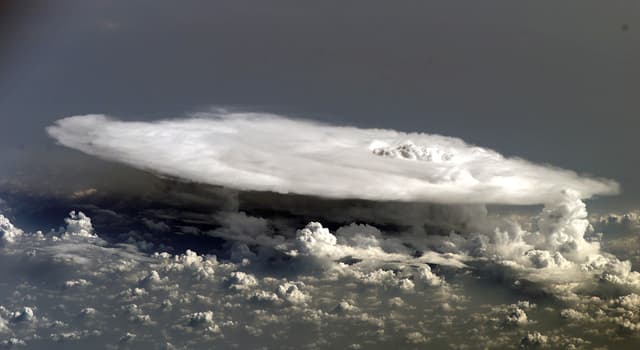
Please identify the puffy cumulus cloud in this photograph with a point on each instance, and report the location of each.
(242, 281)
(556, 253)
(88, 291)
(619, 315)
(516, 316)
(26, 314)
(555, 250)
(563, 225)
(617, 223)
(8, 232)
(78, 224)
(618, 234)
(314, 239)
(80, 291)
(77, 283)
(506, 317)
(198, 266)
(202, 320)
(425, 274)
(533, 340)
(263, 152)
(291, 292)
(365, 248)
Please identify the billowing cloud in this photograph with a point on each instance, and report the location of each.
(373, 289)
(8, 232)
(72, 288)
(262, 152)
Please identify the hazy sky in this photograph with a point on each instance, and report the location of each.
(553, 82)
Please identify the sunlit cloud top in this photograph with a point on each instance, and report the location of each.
(265, 152)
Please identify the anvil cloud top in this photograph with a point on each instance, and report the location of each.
(265, 152)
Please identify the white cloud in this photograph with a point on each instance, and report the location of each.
(153, 278)
(202, 320)
(4, 326)
(613, 226)
(66, 336)
(425, 274)
(517, 317)
(201, 267)
(88, 312)
(314, 239)
(416, 338)
(240, 281)
(89, 291)
(264, 296)
(12, 342)
(290, 292)
(26, 314)
(533, 340)
(77, 283)
(78, 224)
(264, 152)
(8, 232)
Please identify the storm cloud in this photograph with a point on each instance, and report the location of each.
(264, 152)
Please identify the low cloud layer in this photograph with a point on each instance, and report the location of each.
(354, 287)
(260, 152)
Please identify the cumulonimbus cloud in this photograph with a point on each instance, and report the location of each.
(265, 152)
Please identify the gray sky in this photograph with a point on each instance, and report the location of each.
(552, 82)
